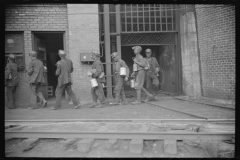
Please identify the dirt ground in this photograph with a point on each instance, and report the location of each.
(53, 147)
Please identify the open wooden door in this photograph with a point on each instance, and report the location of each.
(40, 47)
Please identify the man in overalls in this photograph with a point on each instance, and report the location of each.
(96, 71)
(140, 75)
(119, 80)
(36, 72)
(11, 80)
(151, 73)
(64, 70)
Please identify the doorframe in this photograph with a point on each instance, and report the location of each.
(64, 43)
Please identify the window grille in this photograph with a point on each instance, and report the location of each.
(147, 38)
(145, 17)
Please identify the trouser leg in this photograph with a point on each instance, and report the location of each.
(33, 94)
(39, 93)
(59, 92)
(71, 94)
(100, 94)
(146, 92)
(10, 97)
(94, 96)
(148, 83)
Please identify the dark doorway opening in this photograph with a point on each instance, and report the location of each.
(53, 43)
(166, 57)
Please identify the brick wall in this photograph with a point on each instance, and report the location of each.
(34, 17)
(216, 37)
(83, 38)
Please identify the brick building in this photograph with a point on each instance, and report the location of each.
(194, 44)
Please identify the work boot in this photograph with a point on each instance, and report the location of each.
(113, 103)
(31, 108)
(138, 101)
(93, 105)
(55, 108)
(124, 103)
(77, 106)
(44, 103)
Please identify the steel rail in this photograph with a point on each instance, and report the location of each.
(49, 121)
(121, 135)
(194, 115)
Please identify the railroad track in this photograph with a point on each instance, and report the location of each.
(202, 112)
(85, 131)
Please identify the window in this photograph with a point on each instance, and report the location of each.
(14, 45)
(145, 17)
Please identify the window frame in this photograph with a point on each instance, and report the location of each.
(23, 67)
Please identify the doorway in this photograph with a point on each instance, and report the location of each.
(47, 44)
(167, 60)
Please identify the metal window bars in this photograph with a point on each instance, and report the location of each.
(148, 18)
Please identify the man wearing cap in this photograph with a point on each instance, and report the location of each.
(151, 73)
(11, 80)
(36, 72)
(139, 75)
(96, 71)
(64, 70)
(119, 80)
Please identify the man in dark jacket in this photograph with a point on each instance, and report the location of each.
(64, 70)
(11, 80)
(36, 72)
(96, 71)
(119, 80)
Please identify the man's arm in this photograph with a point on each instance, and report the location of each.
(7, 71)
(58, 71)
(30, 69)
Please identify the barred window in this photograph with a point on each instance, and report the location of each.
(147, 17)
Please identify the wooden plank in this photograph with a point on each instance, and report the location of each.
(136, 146)
(170, 146)
(29, 143)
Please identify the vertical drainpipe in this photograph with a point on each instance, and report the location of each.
(199, 58)
(107, 50)
(118, 28)
(177, 15)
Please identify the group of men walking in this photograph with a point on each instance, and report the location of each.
(147, 69)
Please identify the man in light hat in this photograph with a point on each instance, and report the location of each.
(151, 74)
(64, 70)
(96, 72)
(36, 72)
(11, 80)
(139, 74)
(119, 80)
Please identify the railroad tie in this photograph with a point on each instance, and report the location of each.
(110, 143)
(67, 143)
(136, 146)
(170, 146)
(85, 145)
(29, 143)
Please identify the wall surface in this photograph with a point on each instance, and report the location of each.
(83, 38)
(189, 52)
(216, 36)
(26, 18)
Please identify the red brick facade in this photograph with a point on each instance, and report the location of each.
(216, 38)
